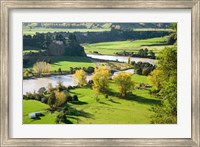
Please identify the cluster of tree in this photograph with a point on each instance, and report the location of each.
(100, 81)
(42, 68)
(88, 70)
(142, 68)
(117, 35)
(43, 40)
(164, 81)
(56, 44)
(142, 53)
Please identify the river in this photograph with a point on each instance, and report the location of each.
(121, 58)
(31, 85)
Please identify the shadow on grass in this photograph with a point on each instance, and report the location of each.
(136, 98)
(155, 44)
(111, 100)
(74, 112)
(143, 100)
(104, 103)
(79, 103)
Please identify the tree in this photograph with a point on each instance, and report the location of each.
(61, 98)
(52, 100)
(129, 60)
(80, 77)
(124, 82)
(152, 54)
(56, 48)
(166, 112)
(100, 78)
(41, 67)
(155, 79)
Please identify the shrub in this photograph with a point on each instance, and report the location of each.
(30, 96)
(41, 91)
(145, 71)
(69, 98)
(38, 97)
(75, 98)
(61, 118)
(25, 97)
(41, 67)
(106, 96)
(44, 100)
(69, 87)
(90, 69)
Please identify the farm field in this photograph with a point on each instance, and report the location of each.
(111, 110)
(65, 62)
(33, 31)
(110, 48)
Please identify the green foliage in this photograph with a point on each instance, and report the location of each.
(75, 98)
(124, 83)
(61, 118)
(155, 79)
(52, 100)
(100, 79)
(56, 48)
(142, 68)
(167, 66)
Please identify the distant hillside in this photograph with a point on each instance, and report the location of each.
(90, 25)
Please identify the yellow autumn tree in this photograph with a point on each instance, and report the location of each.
(155, 79)
(61, 98)
(41, 67)
(100, 78)
(124, 82)
(80, 77)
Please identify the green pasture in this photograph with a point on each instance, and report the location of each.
(111, 110)
(66, 62)
(30, 106)
(63, 62)
(110, 48)
(30, 50)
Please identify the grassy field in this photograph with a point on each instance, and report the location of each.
(33, 31)
(152, 29)
(111, 110)
(31, 50)
(36, 106)
(64, 62)
(68, 61)
(109, 48)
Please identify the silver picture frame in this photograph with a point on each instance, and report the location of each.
(7, 5)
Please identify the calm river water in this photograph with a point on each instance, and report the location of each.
(32, 85)
(121, 58)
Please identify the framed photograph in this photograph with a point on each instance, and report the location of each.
(100, 73)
